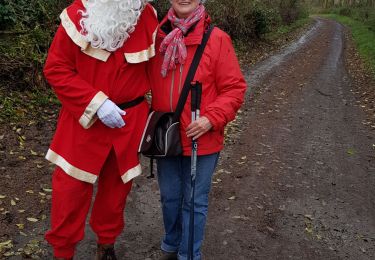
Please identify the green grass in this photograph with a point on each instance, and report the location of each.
(285, 29)
(19, 105)
(364, 38)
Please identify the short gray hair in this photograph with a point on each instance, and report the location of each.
(202, 1)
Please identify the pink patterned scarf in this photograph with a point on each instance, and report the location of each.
(173, 46)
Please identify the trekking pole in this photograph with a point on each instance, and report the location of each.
(196, 93)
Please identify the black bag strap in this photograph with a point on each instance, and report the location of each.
(190, 76)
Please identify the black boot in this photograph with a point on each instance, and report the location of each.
(168, 256)
(105, 252)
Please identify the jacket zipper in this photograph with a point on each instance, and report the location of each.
(171, 92)
(180, 83)
(172, 85)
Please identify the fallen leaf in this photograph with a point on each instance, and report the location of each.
(47, 190)
(12, 202)
(30, 191)
(32, 219)
(270, 229)
(20, 226)
(2, 196)
(10, 253)
(21, 210)
(6, 245)
(232, 198)
(33, 153)
(309, 230)
(241, 217)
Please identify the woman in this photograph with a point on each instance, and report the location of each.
(179, 34)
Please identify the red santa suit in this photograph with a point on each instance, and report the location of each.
(83, 147)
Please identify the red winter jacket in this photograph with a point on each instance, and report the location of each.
(221, 77)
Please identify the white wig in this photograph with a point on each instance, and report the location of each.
(107, 24)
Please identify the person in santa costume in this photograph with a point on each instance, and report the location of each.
(97, 68)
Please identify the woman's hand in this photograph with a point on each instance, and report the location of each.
(198, 128)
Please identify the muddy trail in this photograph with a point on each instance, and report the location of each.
(295, 180)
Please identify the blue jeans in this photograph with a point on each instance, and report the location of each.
(175, 186)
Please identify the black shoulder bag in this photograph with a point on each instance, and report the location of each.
(161, 136)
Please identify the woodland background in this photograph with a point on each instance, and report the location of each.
(27, 28)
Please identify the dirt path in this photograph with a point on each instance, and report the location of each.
(295, 181)
(305, 188)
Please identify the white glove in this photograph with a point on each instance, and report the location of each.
(111, 115)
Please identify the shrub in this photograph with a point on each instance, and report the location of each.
(161, 7)
(346, 11)
(7, 17)
(292, 10)
(32, 24)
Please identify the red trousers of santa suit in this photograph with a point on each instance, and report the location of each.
(71, 200)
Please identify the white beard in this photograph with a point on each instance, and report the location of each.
(106, 24)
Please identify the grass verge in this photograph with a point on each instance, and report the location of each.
(286, 29)
(363, 37)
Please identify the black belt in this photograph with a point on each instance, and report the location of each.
(132, 103)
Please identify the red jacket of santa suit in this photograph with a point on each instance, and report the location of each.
(83, 78)
(221, 78)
